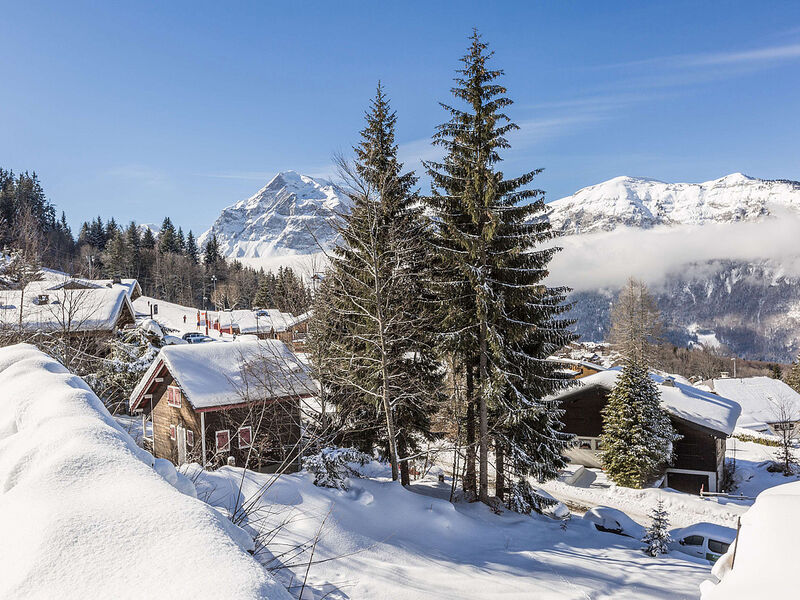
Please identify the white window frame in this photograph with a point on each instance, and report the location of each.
(173, 431)
(216, 440)
(174, 391)
(239, 437)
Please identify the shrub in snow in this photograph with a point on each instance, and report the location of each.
(332, 466)
(657, 536)
(522, 498)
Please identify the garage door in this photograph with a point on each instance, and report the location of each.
(687, 482)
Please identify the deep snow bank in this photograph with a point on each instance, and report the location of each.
(761, 562)
(85, 513)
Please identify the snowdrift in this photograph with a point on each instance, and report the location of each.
(85, 513)
(761, 562)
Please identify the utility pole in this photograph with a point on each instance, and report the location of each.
(214, 298)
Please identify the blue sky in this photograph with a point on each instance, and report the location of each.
(182, 108)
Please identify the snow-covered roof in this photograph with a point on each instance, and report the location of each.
(216, 374)
(760, 399)
(86, 513)
(765, 550)
(91, 309)
(130, 285)
(576, 362)
(679, 399)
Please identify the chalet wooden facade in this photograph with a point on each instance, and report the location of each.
(210, 402)
(703, 420)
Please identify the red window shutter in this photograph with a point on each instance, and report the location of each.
(245, 437)
(223, 440)
(189, 437)
(172, 432)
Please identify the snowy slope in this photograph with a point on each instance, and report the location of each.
(292, 214)
(383, 542)
(85, 513)
(646, 203)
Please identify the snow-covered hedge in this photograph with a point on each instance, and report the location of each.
(85, 513)
(333, 466)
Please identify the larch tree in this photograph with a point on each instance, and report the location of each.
(383, 362)
(635, 323)
(793, 377)
(492, 254)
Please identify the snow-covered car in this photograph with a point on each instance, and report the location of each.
(197, 338)
(612, 520)
(192, 334)
(704, 540)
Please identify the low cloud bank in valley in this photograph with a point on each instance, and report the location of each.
(607, 259)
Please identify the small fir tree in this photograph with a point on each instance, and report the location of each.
(637, 434)
(191, 247)
(211, 255)
(657, 535)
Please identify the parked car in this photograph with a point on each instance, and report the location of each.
(612, 520)
(198, 338)
(192, 334)
(704, 540)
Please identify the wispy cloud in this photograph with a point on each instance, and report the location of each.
(142, 174)
(753, 57)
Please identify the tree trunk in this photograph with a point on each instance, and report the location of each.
(402, 448)
(500, 478)
(470, 481)
(483, 410)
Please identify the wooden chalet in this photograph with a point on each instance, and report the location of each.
(703, 419)
(209, 402)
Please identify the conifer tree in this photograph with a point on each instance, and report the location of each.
(180, 241)
(637, 434)
(211, 255)
(167, 238)
(383, 361)
(191, 247)
(148, 239)
(492, 256)
(657, 535)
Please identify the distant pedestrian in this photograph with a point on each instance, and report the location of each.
(184, 319)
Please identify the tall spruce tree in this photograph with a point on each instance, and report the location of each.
(211, 255)
(384, 363)
(191, 247)
(491, 260)
(637, 434)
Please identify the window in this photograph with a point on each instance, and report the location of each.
(717, 547)
(584, 444)
(172, 435)
(692, 540)
(223, 440)
(189, 437)
(174, 396)
(245, 435)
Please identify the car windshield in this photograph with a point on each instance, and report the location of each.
(717, 547)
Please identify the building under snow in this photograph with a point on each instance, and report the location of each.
(704, 420)
(209, 402)
(768, 404)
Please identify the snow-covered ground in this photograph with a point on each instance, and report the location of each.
(380, 541)
(593, 488)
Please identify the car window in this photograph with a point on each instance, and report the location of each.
(717, 547)
(693, 540)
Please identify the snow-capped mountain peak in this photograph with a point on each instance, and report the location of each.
(292, 214)
(646, 203)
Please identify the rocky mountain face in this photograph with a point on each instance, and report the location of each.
(293, 214)
(752, 308)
